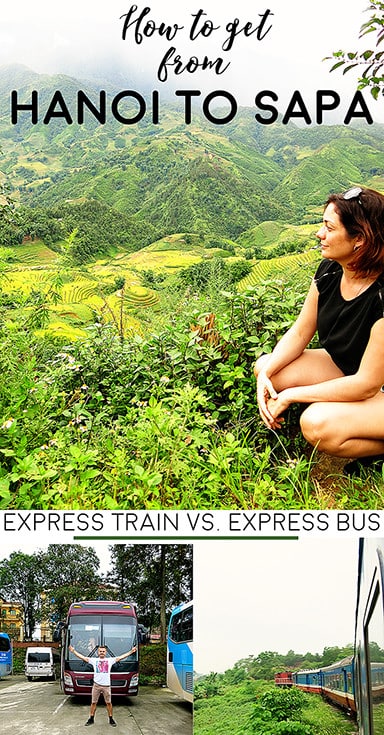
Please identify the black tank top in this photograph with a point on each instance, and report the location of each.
(344, 327)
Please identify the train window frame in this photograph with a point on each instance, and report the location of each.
(371, 607)
(375, 596)
(357, 676)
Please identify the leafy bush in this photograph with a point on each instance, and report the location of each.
(214, 273)
(153, 659)
(209, 686)
(281, 704)
(278, 712)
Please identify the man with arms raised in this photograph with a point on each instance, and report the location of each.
(101, 679)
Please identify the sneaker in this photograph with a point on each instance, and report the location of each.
(112, 722)
(358, 466)
(90, 721)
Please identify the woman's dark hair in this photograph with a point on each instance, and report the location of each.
(363, 215)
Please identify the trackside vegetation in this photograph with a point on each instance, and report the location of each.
(258, 708)
(244, 699)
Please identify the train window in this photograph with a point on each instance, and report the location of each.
(349, 682)
(375, 643)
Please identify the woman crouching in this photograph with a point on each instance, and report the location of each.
(342, 380)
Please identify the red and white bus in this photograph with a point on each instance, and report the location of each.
(91, 624)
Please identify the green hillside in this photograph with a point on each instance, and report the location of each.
(333, 167)
(272, 234)
(136, 204)
(300, 265)
(172, 177)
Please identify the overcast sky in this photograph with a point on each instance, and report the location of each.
(272, 596)
(81, 36)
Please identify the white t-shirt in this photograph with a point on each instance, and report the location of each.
(102, 668)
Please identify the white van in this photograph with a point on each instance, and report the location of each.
(39, 662)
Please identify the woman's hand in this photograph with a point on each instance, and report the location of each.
(265, 392)
(276, 407)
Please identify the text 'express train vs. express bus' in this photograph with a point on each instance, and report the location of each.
(356, 683)
(5, 655)
(180, 651)
(91, 624)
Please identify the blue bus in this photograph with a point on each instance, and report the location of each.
(5, 655)
(180, 651)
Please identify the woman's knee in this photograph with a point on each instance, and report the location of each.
(319, 426)
(260, 364)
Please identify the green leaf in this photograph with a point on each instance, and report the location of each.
(348, 68)
(89, 474)
(4, 487)
(154, 479)
(75, 451)
(336, 66)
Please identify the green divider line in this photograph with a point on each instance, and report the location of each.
(186, 538)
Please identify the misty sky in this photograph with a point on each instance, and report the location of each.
(83, 38)
(272, 596)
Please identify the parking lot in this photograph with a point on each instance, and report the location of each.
(42, 708)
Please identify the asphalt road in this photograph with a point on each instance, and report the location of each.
(41, 708)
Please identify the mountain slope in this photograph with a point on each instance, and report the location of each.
(223, 179)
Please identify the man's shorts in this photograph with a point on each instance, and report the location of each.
(98, 689)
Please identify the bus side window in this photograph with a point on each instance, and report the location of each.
(182, 626)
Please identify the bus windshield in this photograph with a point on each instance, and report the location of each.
(117, 633)
(5, 644)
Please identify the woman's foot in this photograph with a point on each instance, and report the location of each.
(363, 464)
